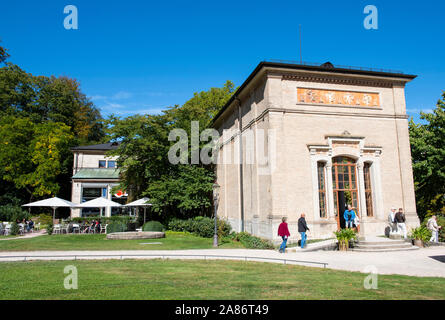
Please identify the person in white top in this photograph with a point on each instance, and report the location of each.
(432, 225)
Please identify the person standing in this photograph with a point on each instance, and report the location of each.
(392, 223)
(400, 220)
(434, 228)
(283, 232)
(349, 216)
(302, 228)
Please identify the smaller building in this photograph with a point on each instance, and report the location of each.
(94, 175)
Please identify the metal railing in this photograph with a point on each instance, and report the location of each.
(162, 256)
(315, 64)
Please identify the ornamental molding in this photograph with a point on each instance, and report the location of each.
(355, 146)
(342, 80)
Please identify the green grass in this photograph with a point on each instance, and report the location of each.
(176, 279)
(172, 241)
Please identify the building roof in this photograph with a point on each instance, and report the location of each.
(325, 67)
(101, 147)
(97, 173)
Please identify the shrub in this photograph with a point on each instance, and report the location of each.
(252, 242)
(344, 236)
(15, 229)
(12, 213)
(420, 233)
(116, 227)
(201, 226)
(153, 226)
(44, 219)
(50, 227)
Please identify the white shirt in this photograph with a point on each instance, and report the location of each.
(432, 224)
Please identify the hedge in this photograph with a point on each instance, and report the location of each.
(117, 227)
(201, 226)
(153, 226)
(252, 242)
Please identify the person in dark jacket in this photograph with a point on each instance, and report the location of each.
(283, 232)
(302, 228)
(399, 218)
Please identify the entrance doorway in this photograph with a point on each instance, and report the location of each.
(344, 179)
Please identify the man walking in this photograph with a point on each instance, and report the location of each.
(400, 220)
(349, 216)
(302, 228)
(434, 228)
(283, 232)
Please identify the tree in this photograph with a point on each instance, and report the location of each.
(181, 190)
(33, 106)
(31, 156)
(3, 54)
(49, 99)
(428, 156)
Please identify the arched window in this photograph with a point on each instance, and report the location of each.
(321, 167)
(368, 189)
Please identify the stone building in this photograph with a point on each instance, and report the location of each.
(94, 175)
(314, 139)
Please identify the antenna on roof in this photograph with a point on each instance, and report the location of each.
(301, 59)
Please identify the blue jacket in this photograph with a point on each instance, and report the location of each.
(347, 212)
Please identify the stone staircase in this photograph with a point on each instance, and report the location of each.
(381, 244)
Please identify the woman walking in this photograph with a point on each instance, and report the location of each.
(283, 232)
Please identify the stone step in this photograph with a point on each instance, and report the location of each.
(384, 246)
(386, 250)
(377, 243)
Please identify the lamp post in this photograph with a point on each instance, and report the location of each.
(215, 188)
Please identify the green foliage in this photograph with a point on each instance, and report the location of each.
(12, 213)
(201, 226)
(103, 220)
(252, 242)
(176, 190)
(153, 226)
(40, 119)
(344, 236)
(428, 156)
(44, 219)
(3, 54)
(117, 227)
(50, 228)
(420, 233)
(15, 229)
(32, 154)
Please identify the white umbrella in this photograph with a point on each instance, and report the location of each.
(51, 202)
(140, 203)
(98, 203)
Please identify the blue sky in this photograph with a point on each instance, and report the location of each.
(142, 56)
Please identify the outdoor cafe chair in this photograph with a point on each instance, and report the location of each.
(76, 227)
(57, 229)
(103, 228)
(66, 228)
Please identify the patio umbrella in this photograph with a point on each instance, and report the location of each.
(140, 203)
(51, 202)
(98, 203)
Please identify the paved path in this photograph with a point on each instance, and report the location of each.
(422, 262)
(27, 235)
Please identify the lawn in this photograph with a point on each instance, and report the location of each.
(200, 280)
(172, 241)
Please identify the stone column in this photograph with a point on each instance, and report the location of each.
(361, 196)
(329, 191)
